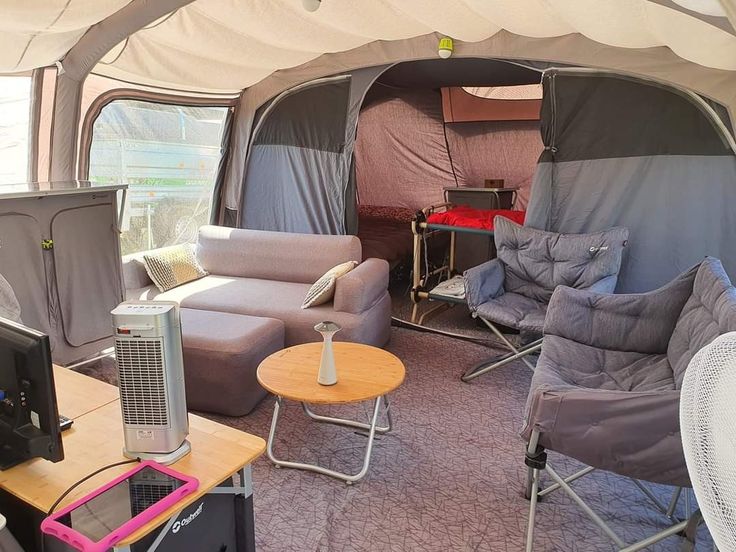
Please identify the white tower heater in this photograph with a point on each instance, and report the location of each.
(149, 359)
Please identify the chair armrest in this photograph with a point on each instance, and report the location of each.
(359, 289)
(483, 282)
(636, 434)
(637, 322)
(134, 271)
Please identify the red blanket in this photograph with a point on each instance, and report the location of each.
(474, 218)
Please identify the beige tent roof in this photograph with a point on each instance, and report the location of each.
(268, 46)
(228, 45)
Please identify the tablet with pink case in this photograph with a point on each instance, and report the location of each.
(96, 522)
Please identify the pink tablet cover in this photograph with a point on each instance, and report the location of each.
(52, 526)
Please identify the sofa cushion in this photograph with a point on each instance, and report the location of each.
(709, 312)
(536, 261)
(323, 290)
(221, 354)
(173, 266)
(270, 299)
(282, 256)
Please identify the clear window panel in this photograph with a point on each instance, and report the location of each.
(168, 155)
(15, 112)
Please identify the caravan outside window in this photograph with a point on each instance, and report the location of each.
(15, 112)
(168, 155)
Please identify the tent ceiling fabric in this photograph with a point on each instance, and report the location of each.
(232, 44)
(228, 45)
(36, 34)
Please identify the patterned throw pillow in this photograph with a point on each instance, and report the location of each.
(173, 266)
(323, 289)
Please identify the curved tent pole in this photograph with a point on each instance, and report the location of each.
(729, 6)
(79, 61)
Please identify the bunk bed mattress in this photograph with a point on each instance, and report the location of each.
(468, 217)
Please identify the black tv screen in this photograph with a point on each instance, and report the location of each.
(29, 416)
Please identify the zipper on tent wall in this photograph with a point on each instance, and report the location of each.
(552, 148)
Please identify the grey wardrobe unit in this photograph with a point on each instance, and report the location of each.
(60, 251)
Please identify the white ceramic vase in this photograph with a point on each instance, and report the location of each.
(327, 371)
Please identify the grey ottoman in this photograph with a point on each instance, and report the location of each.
(221, 354)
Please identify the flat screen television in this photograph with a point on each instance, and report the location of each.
(29, 416)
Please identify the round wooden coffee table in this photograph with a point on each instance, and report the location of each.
(363, 373)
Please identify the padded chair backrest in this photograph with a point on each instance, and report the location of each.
(536, 261)
(709, 312)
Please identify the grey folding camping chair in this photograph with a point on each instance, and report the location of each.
(606, 389)
(513, 289)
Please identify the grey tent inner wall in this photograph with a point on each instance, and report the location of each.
(298, 174)
(298, 167)
(623, 152)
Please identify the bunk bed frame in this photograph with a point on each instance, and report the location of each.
(424, 230)
(421, 275)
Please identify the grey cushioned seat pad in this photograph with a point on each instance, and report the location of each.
(515, 311)
(567, 365)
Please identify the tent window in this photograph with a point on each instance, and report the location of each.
(15, 111)
(518, 92)
(168, 155)
(313, 118)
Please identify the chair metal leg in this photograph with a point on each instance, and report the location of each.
(534, 460)
(670, 513)
(488, 365)
(583, 506)
(654, 500)
(499, 361)
(532, 509)
(691, 532)
(505, 340)
(649, 541)
(569, 479)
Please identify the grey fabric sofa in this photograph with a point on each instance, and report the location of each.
(267, 274)
(513, 290)
(606, 388)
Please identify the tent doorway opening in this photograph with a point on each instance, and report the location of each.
(429, 129)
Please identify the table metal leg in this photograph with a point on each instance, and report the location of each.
(248, 529)
(349, 479)
(352, 423)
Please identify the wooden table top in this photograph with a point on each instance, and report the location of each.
(77, 394)
(363, 373)
(96, 440)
